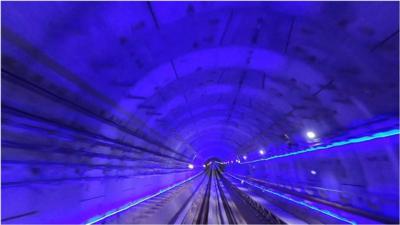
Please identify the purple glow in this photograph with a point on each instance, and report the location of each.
(137, 202)
(105, 102)
(302, 203)
(330, 146)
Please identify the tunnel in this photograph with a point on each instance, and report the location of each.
(200, 112)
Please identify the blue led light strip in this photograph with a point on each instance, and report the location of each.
(326, 212)
(335, 144)
(136, 202)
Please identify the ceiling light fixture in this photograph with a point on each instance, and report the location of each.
(311, 134)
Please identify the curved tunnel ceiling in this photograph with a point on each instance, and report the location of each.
(215, 79)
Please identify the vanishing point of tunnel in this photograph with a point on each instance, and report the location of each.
(199, 112)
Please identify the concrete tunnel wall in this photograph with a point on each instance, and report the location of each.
(362, 176)
(106, 102)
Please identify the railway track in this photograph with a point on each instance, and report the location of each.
(218, 201)
(208, 199)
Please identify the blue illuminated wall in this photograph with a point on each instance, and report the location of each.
(104, 102)
(363, 175)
